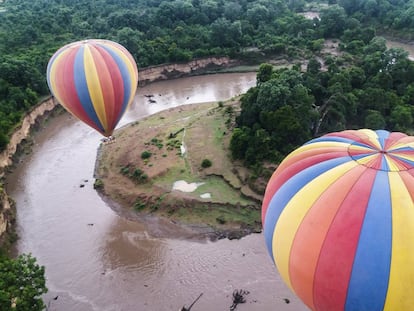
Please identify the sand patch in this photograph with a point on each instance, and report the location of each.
(182, 185)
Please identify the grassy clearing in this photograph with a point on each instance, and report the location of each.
(150, 147)
(217, 216)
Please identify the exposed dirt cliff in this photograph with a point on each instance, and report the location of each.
(173, 71)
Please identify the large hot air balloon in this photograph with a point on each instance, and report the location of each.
(338, 220)
(95, 80)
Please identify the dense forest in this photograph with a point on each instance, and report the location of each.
(368, 86)
(364, 84)
(158, 32)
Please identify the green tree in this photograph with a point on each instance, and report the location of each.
(333, 21)
(264, 74)
(402, 118)
(374, 120)
(22, 283)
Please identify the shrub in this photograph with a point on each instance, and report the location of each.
(124, 170)
(98, 184)
(139, 205)
(146, 155)
(206, 163)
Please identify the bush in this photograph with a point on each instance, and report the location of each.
(98, 184)
(139, 205)
(146, 155)
(206, 163)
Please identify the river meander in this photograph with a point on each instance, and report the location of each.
(96, 260)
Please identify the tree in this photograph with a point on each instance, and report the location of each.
(264, 74)
(402, 118)
(333, 21)
(374, 120)
(22, 283)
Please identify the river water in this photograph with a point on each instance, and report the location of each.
(96, 260)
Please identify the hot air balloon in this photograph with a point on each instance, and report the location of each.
(338, 221)
(95, 80)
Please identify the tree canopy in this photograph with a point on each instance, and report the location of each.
(22, 284)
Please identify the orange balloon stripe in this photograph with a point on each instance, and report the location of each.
(113, 96)
(292, 166)
(340, 246)
(64, 88)
(312, 232)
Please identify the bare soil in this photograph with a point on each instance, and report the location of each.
(138, 169)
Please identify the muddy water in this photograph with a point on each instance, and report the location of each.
(96, 260)
(405, 46)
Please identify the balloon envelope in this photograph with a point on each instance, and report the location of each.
(338, 220)
(95, 80)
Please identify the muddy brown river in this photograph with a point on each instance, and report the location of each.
(97, 260)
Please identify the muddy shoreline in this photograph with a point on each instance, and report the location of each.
(162, 227)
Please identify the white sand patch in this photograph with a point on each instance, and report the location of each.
(182, 149)
(182, 185)
(205, 195)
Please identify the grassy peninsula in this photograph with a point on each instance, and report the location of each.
(189, 144)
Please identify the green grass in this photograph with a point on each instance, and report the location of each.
(209, 215)
(220, 191)
(178, 172)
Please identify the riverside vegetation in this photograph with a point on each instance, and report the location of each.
(365, 85)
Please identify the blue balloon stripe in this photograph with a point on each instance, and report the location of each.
(330, 139)
(383, 134)
(384, 164)
(401, 149)
(82, 89)
(370, 273)
(288, 190)
(126, 77)
(361, 156)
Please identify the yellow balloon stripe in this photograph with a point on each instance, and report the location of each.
(94, 86)
(401, 282)
(295, 211)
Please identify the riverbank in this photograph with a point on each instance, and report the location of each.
(40, 112)
(176, 165)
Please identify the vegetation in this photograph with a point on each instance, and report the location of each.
(22, 283)
(134, 173)
(206, 163)
(156, 32)
(365, 85)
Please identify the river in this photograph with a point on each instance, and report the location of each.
(96, 260)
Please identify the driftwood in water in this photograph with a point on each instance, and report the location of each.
(238, 297)
(184, 308)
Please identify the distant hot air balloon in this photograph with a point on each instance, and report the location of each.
(338, 219)
(95, 80)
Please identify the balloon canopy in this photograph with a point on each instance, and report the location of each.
(338, 220)
(95, 80)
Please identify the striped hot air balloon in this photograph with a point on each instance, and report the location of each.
(338, 219)
(95, 80)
